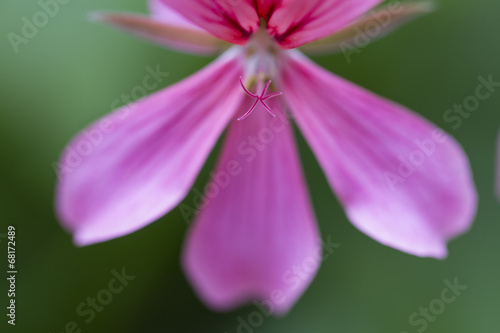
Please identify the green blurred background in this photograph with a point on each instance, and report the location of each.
(70, 73)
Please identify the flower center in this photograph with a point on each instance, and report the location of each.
(260, 69)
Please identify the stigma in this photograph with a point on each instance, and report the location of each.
(259, 98)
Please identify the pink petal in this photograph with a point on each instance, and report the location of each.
(361, 139)
(370, 27)
(231, 20)
(166, 14)
(134, 165)
(256, 227)
(296, 22)
(170, 34)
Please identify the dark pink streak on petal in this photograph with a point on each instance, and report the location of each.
(266, 8)
(136, 164)
(297, 22)
(231, 20)
(256, 225)
(361, 141)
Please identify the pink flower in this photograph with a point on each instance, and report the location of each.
(400, 179)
